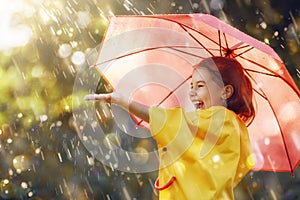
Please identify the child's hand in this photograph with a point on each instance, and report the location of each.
(140, 110)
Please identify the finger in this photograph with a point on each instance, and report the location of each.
(93, 97)
(101, 97)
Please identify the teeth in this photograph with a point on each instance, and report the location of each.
(198, 104)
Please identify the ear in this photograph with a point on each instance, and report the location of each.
(227, 92)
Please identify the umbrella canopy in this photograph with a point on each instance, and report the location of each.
(150, 58)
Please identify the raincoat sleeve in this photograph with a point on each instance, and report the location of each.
(207, 152)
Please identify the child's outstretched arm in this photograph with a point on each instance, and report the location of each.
(139, 110)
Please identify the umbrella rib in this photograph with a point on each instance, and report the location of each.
(181, 51)
(275, 74)
(241, 47)
(170, 93)
(146, 49)
(277, 120)
(220, 46)
(260, 94)
(150, 49)
(183, 25)
(225, 41)
(264, 73)
(184, 28)
(227, 46)
(239, 55)
(128, 54)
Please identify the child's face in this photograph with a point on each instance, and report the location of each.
(205, 91)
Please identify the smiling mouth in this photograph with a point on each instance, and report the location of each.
(199, 105)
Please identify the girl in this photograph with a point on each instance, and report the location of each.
(203, 154)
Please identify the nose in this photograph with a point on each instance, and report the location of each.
(192, 93)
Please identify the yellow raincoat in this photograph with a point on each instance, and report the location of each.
(207, 151)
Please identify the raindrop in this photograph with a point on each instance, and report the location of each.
(43, 118)
(254, 184)
(21, 163)
(216, 158)
(259, 85)
(64, 50)
(30, 194)
(58, 123)
(52, 126)
(20, 115)
(5, 181)
(10, 172)
(37, 150)
(37, 72)
(111, 141)
(289, 111)
(108, 197)
(9, 140)
(195, 6)
(24, 185)
(141, 155)
(83, 19)
(263, 25)
(110, 13)
(67, 107)
(126, 6)
(250, 161)
(217, 4)
(266, 40)
(84, 138)
(115, 166)
(44, 16)
(59, 157)
(59, 32)
(74, 44)
(78, 58)
(241, 175)
(91, 161)
(267, 141)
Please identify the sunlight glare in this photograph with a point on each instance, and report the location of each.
(12, 36)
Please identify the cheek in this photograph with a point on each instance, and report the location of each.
(191, 95)
(215, 94)
(202, 93)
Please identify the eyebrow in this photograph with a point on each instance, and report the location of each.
(199, 82)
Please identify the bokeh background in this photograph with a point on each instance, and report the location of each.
(44, 44)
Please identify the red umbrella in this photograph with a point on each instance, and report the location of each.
(151, 58)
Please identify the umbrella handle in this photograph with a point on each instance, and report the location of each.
(168, 184)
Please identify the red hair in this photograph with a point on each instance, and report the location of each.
(231, 72)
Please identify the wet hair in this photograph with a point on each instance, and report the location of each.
(230, 72)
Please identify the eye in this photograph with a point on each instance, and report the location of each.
(200, 85)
